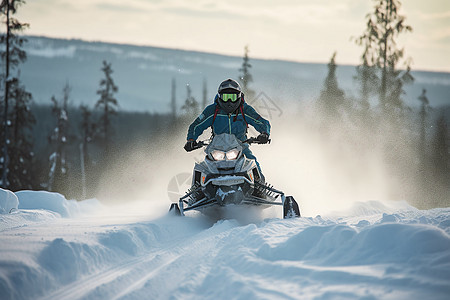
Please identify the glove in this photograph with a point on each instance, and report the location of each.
(190, 145)
(263, 138)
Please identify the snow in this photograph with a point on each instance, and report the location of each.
(8, 201)
(49, 52)
(51, 201)
(53, 248)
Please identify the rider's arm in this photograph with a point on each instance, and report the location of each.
(203, 121)
(254, 119)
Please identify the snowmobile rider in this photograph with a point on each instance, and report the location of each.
(229, 114)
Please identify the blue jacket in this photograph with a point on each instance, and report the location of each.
(228, 123)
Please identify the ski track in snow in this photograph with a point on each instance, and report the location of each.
(370, 252)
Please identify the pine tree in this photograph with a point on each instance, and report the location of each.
(368, 81)
(107, 104)
(190, 105)
(246, 78)
(384, 26)
(59, 138)
(332, 100)
(21, 154)
(11, 57)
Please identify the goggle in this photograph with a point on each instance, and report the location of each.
(231, 97)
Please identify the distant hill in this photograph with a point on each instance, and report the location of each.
(144, 75)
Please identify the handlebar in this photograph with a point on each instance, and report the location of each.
(254, 140)
(200, 144)
(249, 141)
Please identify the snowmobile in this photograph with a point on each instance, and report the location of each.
(226, 177)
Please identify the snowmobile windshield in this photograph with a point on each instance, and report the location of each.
(229, 97)
(223, 146)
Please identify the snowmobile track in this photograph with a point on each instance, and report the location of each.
(120, 281)
(88, 284)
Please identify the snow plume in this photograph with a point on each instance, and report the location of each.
(329, 166)
(142, 174)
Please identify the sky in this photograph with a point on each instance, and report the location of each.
(295, 30)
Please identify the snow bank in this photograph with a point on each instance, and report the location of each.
(25, 208)
(8, 201)
(53, 202)
(56, 202)
(45, 200)
(343, 245)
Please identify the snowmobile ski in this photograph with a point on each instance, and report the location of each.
(174, 209)
(290, 208)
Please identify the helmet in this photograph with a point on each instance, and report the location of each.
(229, 95)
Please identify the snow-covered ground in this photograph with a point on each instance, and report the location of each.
(51, 248)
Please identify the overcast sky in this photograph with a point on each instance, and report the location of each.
(298, 30)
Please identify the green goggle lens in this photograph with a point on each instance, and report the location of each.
(231, 97)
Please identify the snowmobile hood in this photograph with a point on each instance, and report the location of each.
(224, 142)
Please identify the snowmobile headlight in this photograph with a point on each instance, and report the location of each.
(232, 154)
(218, 155)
